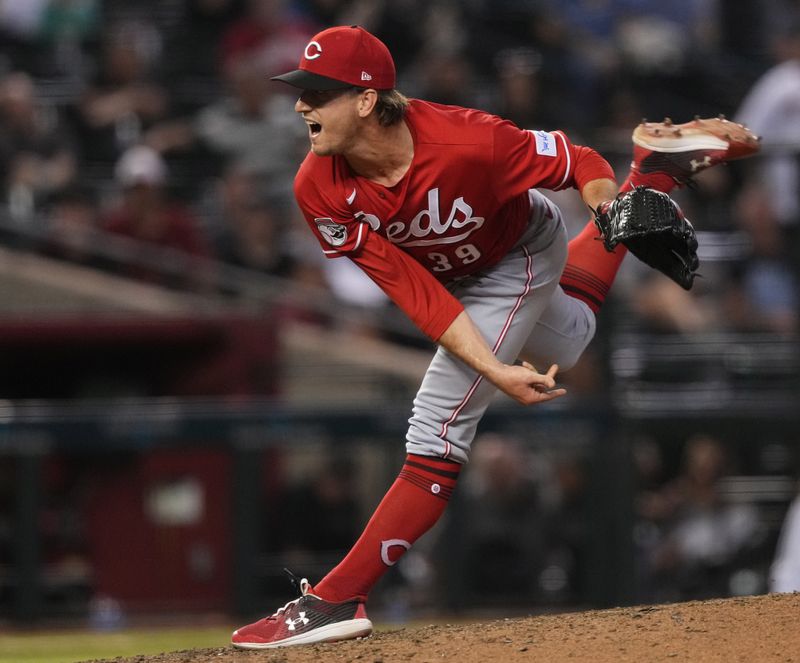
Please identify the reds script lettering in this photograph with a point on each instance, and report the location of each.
(428, 222)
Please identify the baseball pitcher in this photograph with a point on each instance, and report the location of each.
(439, 206)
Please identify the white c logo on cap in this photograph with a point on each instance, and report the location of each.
(313, 53)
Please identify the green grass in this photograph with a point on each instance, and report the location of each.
(72, 646)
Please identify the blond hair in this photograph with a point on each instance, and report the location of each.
(391, 107)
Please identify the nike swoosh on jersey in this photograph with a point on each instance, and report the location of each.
(351, 197)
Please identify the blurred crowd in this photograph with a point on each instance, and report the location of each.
(701, 527)
(134, 134)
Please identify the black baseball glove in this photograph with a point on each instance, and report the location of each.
(654, 229)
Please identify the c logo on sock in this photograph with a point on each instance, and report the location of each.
(385, 545)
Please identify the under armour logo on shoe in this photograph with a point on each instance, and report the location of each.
(697, 165)
(302, 620)
(365, 76)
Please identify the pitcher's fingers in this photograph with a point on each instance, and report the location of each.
(548, 379)
(529, 366)
(545, 389)
(553, 393)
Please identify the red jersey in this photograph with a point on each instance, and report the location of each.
(460, 207)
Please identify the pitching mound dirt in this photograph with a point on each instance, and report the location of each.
(754, 629)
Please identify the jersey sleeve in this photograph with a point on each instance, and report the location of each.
(525, 159)
(324, 206)
(590, 165)
(409, 285)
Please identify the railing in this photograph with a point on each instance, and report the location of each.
(726, 375)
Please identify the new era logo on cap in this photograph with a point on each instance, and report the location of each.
(342, 57)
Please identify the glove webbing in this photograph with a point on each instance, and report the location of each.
(640, 212)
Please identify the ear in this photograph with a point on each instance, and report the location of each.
(366, 102)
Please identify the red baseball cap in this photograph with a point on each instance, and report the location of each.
(343, 57)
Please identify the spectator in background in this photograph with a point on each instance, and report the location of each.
(772, 110)
(270, 32)
(318, 517)
(254, 240)
(67, 27)
(147, 216)
(495, 534)
(125, 98)
(664, 47)
(71, 227)
(36, 153)
(252, 115)
(582, 58)
(195, 49)
(704, 537)
(224, 199)
(519, 93)
(763, 293)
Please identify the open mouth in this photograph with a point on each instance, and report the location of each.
(314, 129)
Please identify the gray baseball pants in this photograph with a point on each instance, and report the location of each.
(516, 303)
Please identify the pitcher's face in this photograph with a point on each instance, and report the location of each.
(332, 118)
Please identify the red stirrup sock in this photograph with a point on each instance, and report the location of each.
(590, 269)
(412, 506)
(658, 181)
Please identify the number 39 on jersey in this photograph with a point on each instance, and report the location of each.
(461, 255)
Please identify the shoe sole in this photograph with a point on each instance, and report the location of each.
(347, 630)
(714, 134)
(682, 144)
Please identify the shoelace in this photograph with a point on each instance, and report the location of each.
(280, 611)
(303, 585)
(297, 581)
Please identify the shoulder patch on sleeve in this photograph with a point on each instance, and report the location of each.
(334, 233)
(545, 144)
